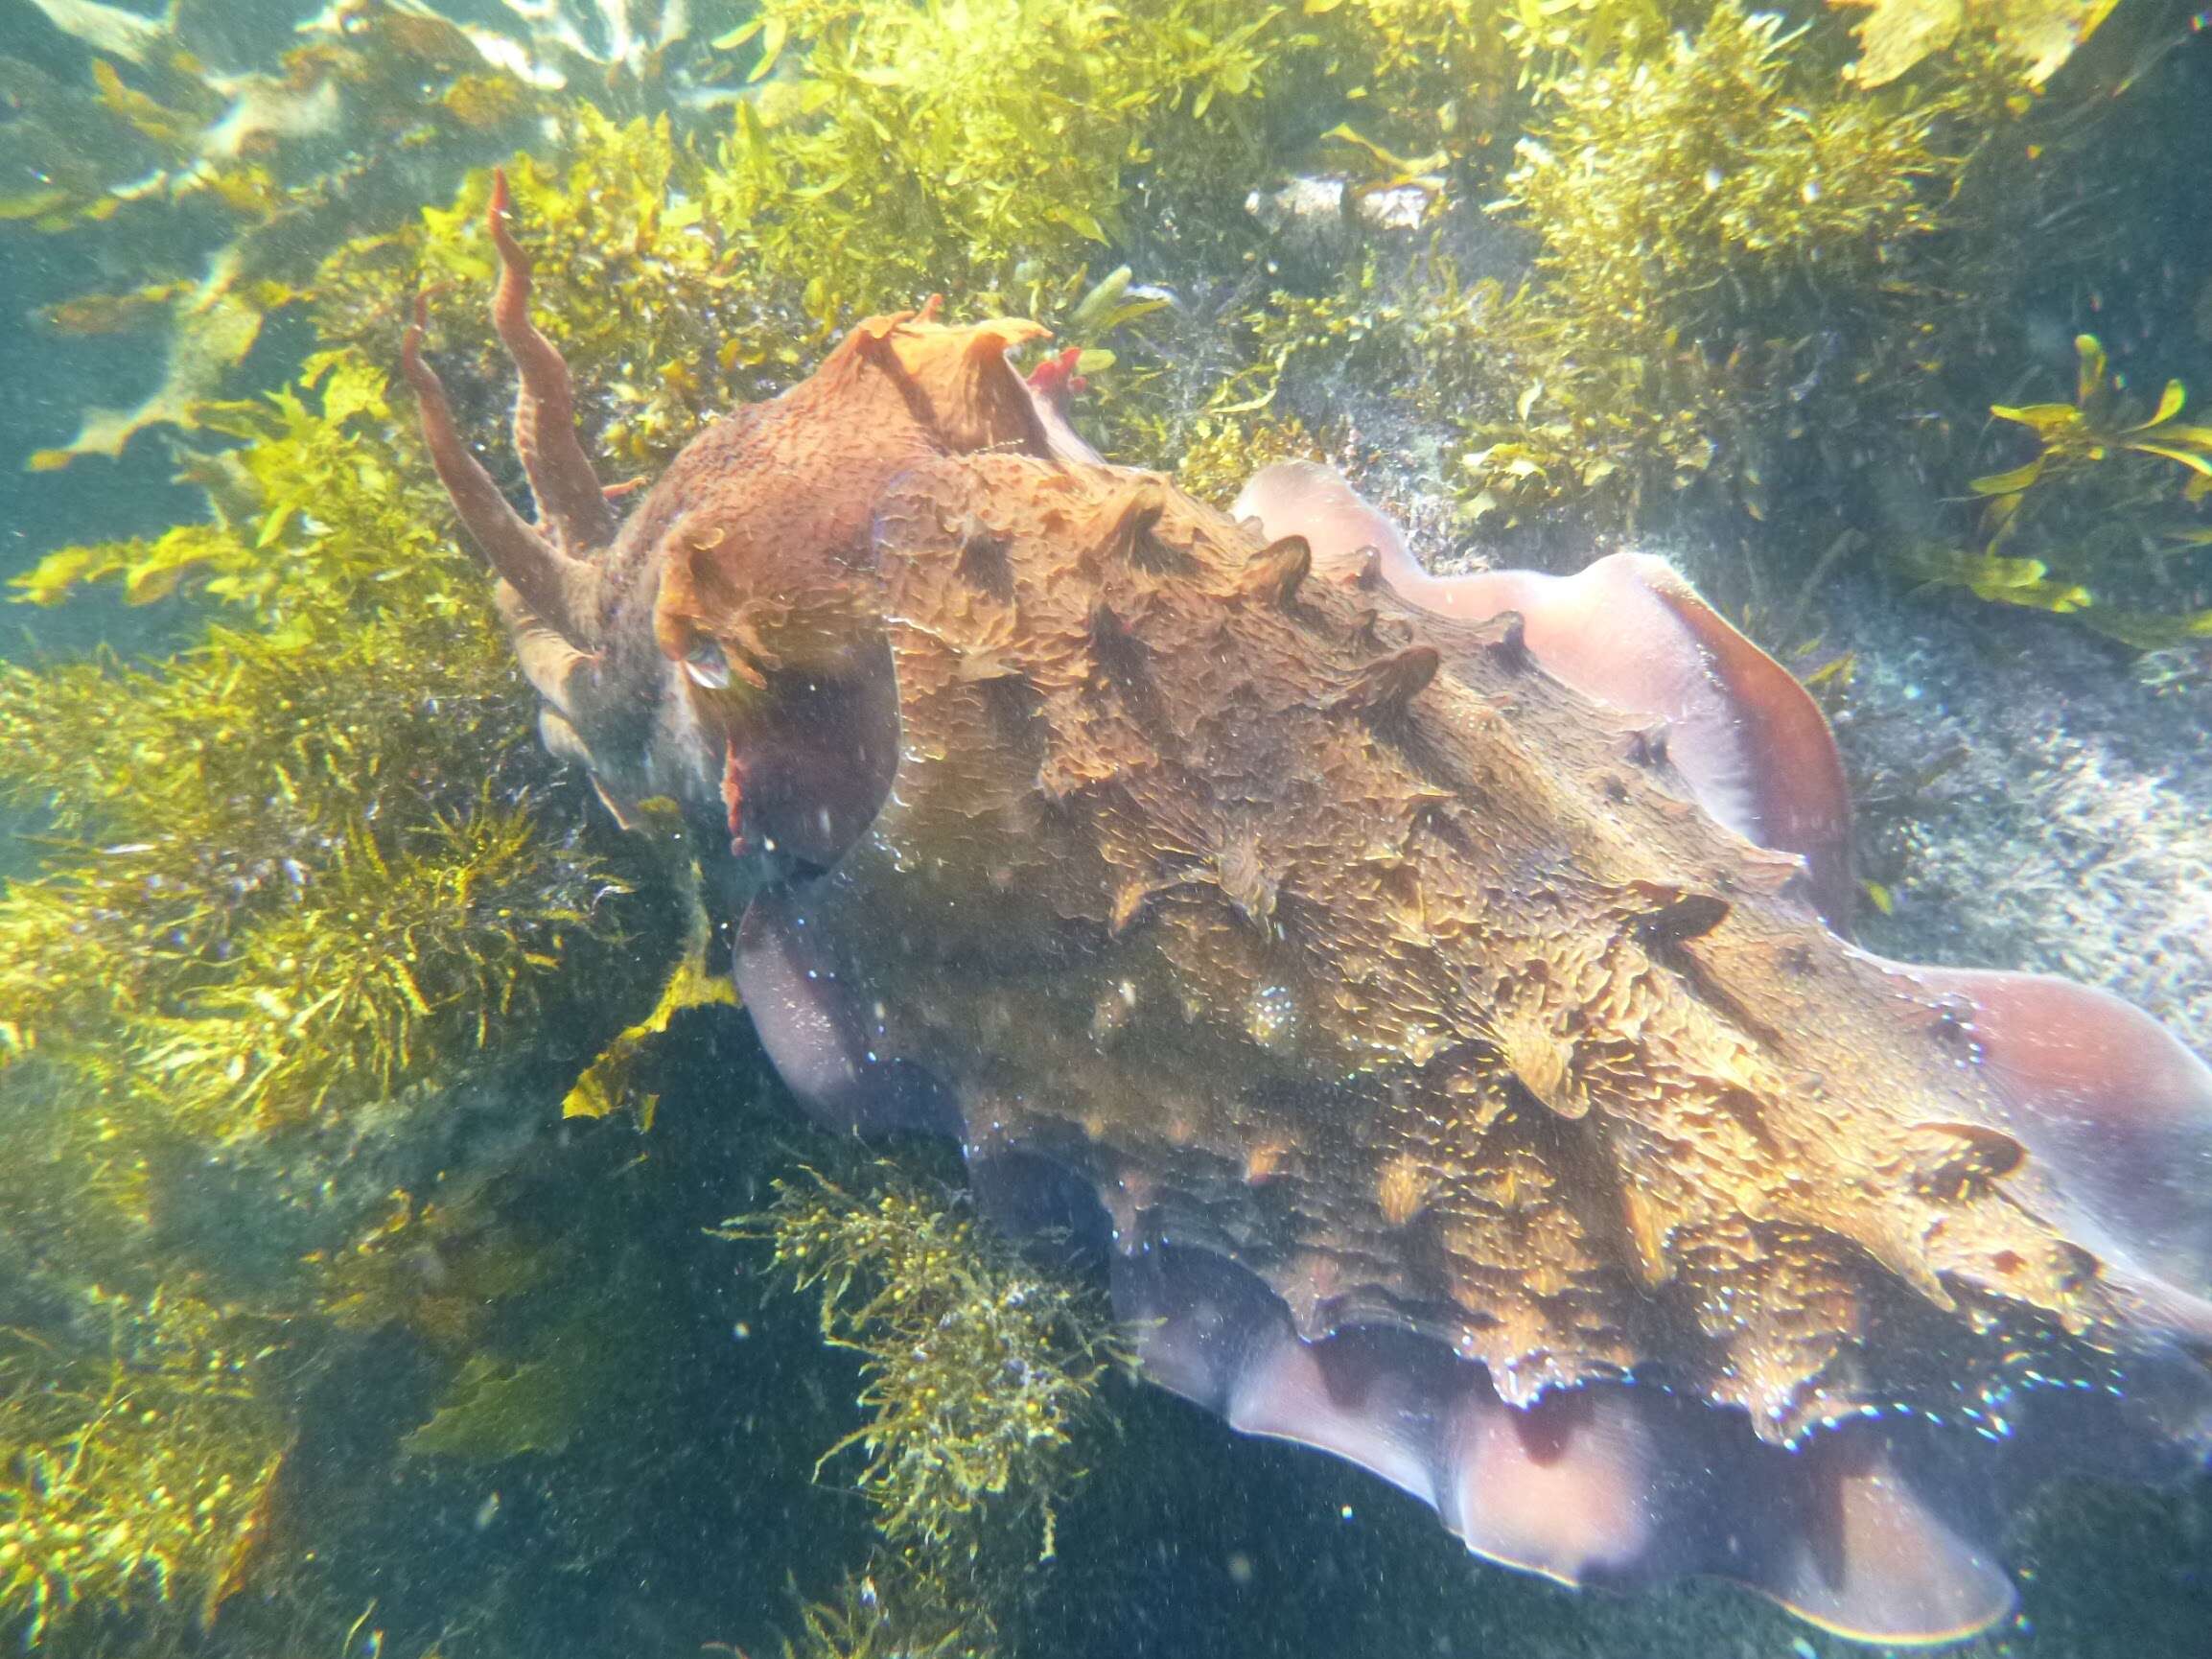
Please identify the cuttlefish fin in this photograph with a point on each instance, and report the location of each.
(2115, 1117)
(1608, 1483)
(1856, 1550)
(1628, 630)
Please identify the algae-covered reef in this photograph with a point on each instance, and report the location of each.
(356, 1232)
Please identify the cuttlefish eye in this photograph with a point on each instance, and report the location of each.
(707, 664)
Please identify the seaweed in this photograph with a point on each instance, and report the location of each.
(252, 163)
(1433, 84)
(979, 1373)
(1718, 235)
(610, 1083)
(321, 814)
(2097, 522)
(1017, 133)
(297, 878)
(860, 1620)
(1224, 451)
(2039, 34)
(137, 1464)
(977, 1370)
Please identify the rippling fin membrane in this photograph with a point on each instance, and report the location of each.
(1627, 629)
(2115, 1119)
(1606, 1485)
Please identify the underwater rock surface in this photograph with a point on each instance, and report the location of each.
(1464, 1094)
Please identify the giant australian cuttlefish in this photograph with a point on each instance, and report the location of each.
(1428, 984)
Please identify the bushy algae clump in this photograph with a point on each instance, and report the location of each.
(300, 858)
(298, 881)
(977, 1368)
(978, 1373)
(138, 1457)
(862, 1621)
(1723, 237)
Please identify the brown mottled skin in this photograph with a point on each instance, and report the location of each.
(1427, 997)
(1336, 938)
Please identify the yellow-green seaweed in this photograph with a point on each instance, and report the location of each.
(295, 878)
(136, 1463)
(2096, 523)
(1711, 222)
(977, 1370)
(868, 1618)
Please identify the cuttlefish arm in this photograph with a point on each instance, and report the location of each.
(1626, 630)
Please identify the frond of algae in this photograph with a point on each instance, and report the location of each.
(380, 971)
(2102, 523)
(2036, 35)
(136, 1464)
(978, 1372)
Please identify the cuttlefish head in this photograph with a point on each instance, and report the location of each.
(720, 652)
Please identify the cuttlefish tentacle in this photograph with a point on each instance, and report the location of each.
(572, 504)
(560, 590)
(548, 661)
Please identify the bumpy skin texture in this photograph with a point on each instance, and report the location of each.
(1463, 1098)
(1343, 940)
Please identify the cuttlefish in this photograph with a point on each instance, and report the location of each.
(1432, 992)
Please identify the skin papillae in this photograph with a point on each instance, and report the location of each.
(1464, 1088)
